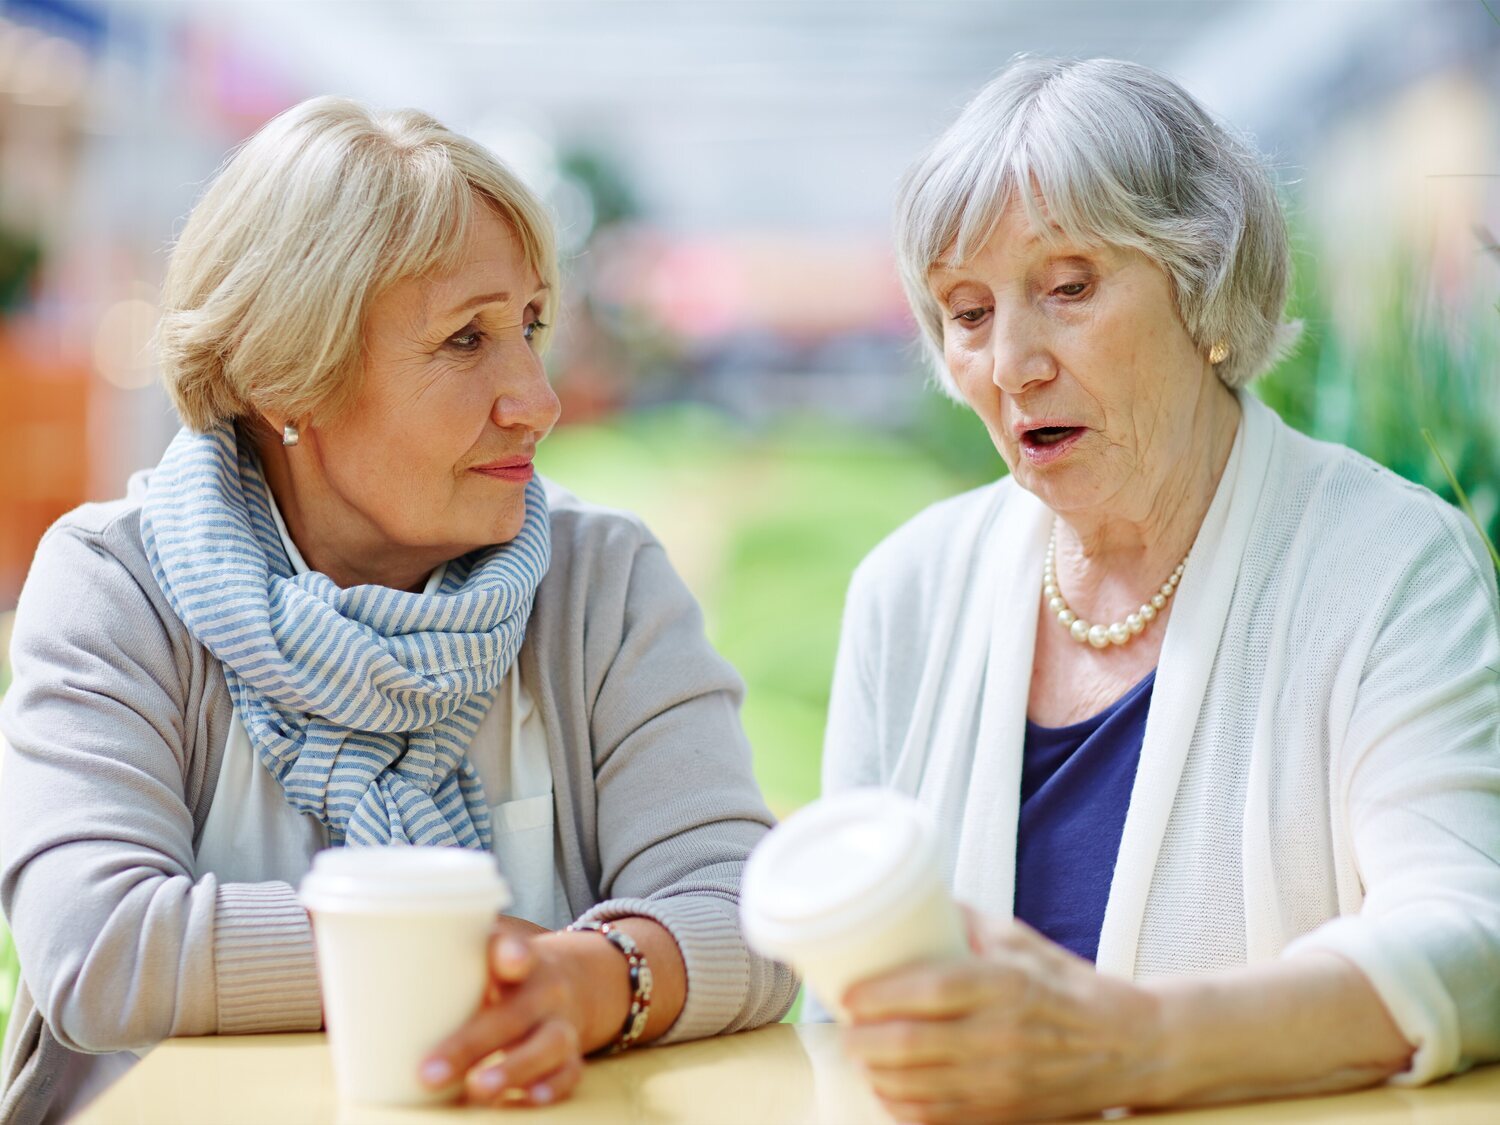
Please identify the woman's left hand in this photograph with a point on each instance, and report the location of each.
(1024, 1030)
(553, 998)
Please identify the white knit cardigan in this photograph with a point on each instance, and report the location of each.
(1321, 761)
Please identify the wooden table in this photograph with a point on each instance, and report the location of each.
(782, 1075)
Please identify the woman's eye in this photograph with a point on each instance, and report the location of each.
(971, 316)
(1072, 289)
(468, 340)
(532, 328)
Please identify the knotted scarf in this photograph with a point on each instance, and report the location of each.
(361, 702)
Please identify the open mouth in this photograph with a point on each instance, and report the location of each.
(1049, 435)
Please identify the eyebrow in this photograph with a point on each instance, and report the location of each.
(479, 300)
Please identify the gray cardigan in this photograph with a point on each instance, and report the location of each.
(117, 720)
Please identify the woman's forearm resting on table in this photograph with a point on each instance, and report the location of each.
(1311, 1023)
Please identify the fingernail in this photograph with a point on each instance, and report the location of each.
(491, 1080)
(512, 949)
(541, 1093)
(436, 1071)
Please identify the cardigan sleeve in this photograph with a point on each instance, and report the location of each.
(1421, 784)
(678, 807)
(120, 944)
(853, 736)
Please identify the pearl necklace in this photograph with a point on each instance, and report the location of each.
(1102, 636)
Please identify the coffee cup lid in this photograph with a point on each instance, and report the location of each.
(400, 879)
(841, 863)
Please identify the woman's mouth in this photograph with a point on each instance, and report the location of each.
(1049, 443)
(514, 470)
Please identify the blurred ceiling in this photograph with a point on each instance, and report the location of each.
(791, 112)
(777, 108)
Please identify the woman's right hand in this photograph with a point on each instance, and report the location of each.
(525, 1044)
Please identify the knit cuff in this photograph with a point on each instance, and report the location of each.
(1407, 985)
(264, 963)
(713, 949)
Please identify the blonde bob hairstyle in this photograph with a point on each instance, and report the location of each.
(267, 288)
(1113, 153)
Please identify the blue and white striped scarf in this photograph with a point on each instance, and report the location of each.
(361, 702)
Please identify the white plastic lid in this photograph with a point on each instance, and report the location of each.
(835, 867)
(400, 879)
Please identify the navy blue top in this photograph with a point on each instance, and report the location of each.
(1075, 788)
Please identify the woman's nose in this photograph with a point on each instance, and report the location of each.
(1020, 354)
(525, 398)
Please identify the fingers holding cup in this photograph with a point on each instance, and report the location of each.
(494, 1027)
(931, 991)
(544, 1067)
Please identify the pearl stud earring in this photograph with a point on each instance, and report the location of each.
(289, 434)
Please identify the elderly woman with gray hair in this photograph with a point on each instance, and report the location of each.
(1208, 712)
(344, 610)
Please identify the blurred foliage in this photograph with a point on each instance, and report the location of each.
(1463, 499)
(1419, 366)
(952, 435)
(766, 526)
(10, 976)
(600, 177)
(20, 258)
(7, 619)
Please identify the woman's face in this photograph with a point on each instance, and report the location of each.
(434, 454)
(1077, 362)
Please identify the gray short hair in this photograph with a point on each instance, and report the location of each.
(1120, 155)
(267, 288)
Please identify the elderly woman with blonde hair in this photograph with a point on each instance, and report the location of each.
(1207, 712)
(344, 610)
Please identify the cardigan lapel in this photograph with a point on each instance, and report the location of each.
(1187, 657)
(1011, 572)
(933, 753)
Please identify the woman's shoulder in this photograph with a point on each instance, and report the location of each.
(90, 590)
(92, 615)
(93, 552)
(593, 544)
(1360, 514)
(606, 564)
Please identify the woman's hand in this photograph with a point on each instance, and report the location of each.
(553, 998)
(1024, 1030)
(526, 1043)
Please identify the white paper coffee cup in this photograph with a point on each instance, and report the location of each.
(402, 935)
(849, 888)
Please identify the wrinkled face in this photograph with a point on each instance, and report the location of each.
(1077, 362)
(436, 451)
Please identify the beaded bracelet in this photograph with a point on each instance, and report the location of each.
(640, 982)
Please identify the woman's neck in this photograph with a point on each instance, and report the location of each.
(1106, 560)
(333, 540)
